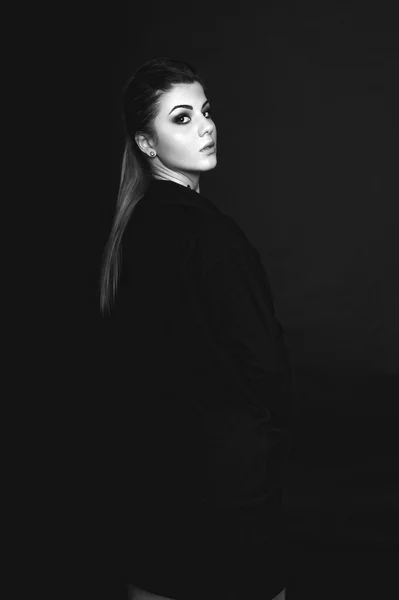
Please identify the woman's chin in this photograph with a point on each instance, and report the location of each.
(211, 165)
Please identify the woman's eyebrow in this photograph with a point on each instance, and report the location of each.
(188, 106)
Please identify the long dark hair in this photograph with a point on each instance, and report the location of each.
(140, 107)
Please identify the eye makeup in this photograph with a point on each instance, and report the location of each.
(178, 117)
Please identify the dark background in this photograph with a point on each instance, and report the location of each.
(305, 99)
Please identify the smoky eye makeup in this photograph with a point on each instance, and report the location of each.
(177, 118)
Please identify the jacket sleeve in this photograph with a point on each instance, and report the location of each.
(237, 300)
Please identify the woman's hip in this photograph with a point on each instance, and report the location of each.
(136, 593)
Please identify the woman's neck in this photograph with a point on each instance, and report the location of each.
(182, 179)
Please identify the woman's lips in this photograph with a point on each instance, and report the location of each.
(210, 146)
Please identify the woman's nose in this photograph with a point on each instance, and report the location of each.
(206, 126)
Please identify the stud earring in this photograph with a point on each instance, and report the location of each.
(152, 153)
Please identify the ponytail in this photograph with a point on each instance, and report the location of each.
(131, 189)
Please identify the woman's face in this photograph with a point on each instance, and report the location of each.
(183, 131)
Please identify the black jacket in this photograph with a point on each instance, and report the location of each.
(204, 388)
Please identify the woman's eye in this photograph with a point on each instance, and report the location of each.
(179, 121)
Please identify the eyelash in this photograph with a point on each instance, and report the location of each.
(176, 120)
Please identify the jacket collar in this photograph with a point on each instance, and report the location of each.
(169, 192)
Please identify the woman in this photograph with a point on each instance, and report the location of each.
(204, 381)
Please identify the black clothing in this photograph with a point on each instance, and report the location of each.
(204, 389)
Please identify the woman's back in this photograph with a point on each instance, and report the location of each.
(202, 489)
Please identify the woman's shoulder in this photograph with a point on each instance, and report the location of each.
(222, 227)
(196, 217)
(219, 236)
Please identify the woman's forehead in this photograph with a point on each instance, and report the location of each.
(183, 93)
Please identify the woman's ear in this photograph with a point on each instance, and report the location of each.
(143, 143)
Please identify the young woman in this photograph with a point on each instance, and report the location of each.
(204, 384)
